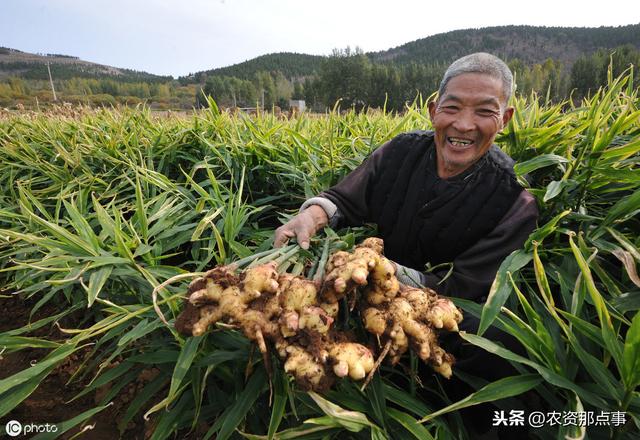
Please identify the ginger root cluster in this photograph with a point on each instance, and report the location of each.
(295, 315)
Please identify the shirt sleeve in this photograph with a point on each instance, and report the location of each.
(475, 269)
(350, 195)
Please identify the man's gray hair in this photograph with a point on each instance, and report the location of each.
(480, 62)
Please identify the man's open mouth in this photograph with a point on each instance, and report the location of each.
(459, 142)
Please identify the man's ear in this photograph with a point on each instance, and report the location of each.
(432, 109)
(507, 115)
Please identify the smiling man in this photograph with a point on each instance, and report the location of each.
(446, 200)
(466, 119)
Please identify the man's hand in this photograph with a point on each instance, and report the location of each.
(303, 226)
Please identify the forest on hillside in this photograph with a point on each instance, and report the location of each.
(351, 78)
(554, 63)
(347, 77)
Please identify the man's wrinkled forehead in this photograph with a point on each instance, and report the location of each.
(489, 99)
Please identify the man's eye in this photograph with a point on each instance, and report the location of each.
(449, 108)
(486, 112)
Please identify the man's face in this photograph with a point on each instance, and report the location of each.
(466, 120)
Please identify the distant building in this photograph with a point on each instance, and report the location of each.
(298, 104)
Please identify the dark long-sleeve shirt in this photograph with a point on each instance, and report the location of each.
(473, 269)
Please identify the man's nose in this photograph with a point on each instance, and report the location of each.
(464, 121)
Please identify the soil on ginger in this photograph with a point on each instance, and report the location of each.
(49, 403)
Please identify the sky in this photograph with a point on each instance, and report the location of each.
(178, 37)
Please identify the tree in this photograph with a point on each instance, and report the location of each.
(584, 75)
(384, 87)
(216, 87)
(313, 93)
(17, 85)
(345, 76)
(284, 90)
(298, 91)
(266, 88)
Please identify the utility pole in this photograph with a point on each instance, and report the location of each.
(51, 82)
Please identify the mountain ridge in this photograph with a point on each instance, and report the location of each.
(529, 44)
(509, 42)
(14, 62)
(544, 40)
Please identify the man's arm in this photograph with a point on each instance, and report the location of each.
(475, 269)
(343, 204)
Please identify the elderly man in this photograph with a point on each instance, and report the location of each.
(447, 199)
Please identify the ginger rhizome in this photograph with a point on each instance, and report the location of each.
(399, 316)
(409, 320)
(281, 310)
(296, 316)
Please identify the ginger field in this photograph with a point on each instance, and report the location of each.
(100, 207)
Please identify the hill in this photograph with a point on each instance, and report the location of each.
(531, 44)
(291, 65)
(556, 62)
(26, 65)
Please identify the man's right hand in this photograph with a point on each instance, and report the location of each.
(303, 226)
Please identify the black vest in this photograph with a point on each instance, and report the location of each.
(423, 218)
